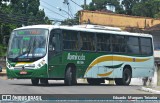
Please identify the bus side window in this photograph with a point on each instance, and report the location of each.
(70, 40)
(119, 43)
(133, 45)
(103, 42)
(146, 46)
(87, 40)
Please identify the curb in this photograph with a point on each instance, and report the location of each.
(150, 90)
(3, 73)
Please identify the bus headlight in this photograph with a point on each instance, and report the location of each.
(41, 64)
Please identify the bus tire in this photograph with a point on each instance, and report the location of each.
(70, 79)
(44, 81)
(35, 81)
(127, 75)
(94, 81)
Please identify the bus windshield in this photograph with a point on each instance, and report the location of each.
(28, 44)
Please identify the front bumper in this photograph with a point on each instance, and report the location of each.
(31, 73)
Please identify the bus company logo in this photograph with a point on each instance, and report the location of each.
(75, 57)
(6, 97)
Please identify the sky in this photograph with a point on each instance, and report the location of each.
(57, 10)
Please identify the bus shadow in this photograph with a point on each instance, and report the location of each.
(63, 85)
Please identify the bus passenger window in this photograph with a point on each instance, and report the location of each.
(133, 45)
(103, 42)
(118, 43)
(70, 40)
(146, 46)
(87, 41)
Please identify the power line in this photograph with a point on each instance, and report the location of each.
(20, 18)
(49, 4)
(84, 4)
(55, 19)
(70, 10)
(53, 11)
(4, 18)
(76, 3)
(17, 17)
(57, 8)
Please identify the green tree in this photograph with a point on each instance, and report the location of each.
(28, 12)
(72, 21)
(17, 12)
(149, 8)
(157, 15)
(128, 5)
(90, 7)
(2, 2)
(101, 5)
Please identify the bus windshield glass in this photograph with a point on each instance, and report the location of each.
(27, 44)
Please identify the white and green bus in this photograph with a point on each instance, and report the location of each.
(96, 53)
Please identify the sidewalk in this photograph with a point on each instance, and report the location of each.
(154, 90)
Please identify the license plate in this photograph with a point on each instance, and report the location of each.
(23, 72)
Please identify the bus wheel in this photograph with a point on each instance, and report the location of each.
(93, 81)
(127, 75)
(70, 78)
(35, 81)
(44, 81)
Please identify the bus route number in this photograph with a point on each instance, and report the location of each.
(80, 62)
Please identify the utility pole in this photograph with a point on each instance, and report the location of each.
(65, 12)
(66, 2)
(84, 5)
(1, 32)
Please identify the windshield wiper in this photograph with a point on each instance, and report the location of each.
(21, 55)
(26, 52)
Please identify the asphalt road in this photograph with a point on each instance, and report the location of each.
(24, 86)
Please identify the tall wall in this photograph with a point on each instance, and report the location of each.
(117, 20)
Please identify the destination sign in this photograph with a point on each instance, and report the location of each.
(31, 32)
